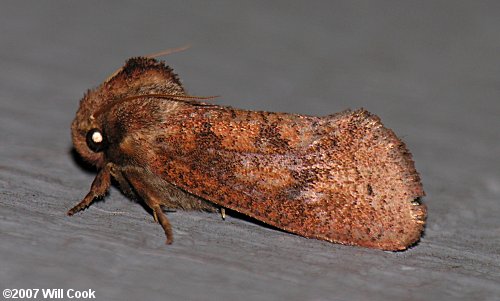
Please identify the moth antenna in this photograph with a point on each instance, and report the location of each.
(113, 74)
(178, 97)
(181, 98)
(191, 99)
(168, 51)
(186, 97)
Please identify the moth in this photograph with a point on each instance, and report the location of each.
(343, 178)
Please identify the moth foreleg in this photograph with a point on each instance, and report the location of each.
(99, 187)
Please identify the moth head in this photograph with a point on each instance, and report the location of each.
(139, 76)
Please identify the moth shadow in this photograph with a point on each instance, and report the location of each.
(87, 167)
(246, 218)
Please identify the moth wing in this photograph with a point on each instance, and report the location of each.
(349, 179)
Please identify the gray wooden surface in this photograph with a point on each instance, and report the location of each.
(429, 69)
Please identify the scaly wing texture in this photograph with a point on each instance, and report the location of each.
(343, 178)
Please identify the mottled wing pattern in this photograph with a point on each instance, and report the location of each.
(343, 178)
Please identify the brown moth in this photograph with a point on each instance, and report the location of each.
(343, 178)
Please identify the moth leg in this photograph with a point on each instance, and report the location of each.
(223, 213)
(153, 202)
(155, 217)
(123, 183)
(165, 223)
(99, 187)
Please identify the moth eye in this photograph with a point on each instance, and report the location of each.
(95, 140)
